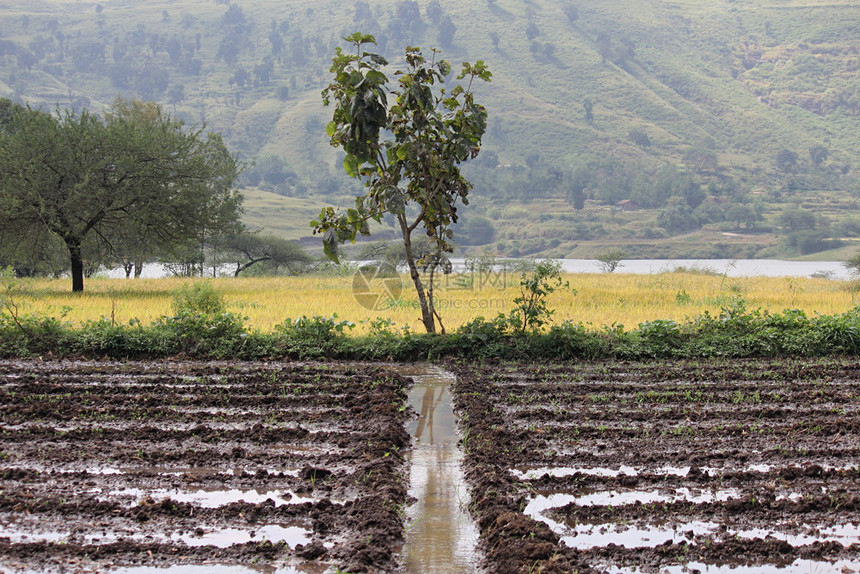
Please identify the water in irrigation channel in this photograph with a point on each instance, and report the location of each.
(441, 536)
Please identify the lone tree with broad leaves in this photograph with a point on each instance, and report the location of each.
(406, 154)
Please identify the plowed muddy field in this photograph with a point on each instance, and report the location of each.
(212, 467)
(713, 467)
(742, 467)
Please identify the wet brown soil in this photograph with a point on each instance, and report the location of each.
(277, 465)
(664, 466)
(743, 466)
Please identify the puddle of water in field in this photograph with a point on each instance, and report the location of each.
(619, 497)
(102, 425)
(799, 566)
(585, 536)
(528, 473)
(258, 411)
(162, 470)
(441, 536)
(563, 471)
(220, 537)
(104, 471)
(212, 498)
(166, 471)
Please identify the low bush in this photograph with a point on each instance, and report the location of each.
(200, 324)
(34, 334)
(311, 338)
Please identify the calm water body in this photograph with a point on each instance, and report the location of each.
(730, 267)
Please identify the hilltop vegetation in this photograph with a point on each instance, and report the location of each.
(728, 126)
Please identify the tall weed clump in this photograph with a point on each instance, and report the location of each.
(651, 339)
(838, 334)
(106, 338)
(569, 340)
(34, 334)
(521, 333)
(200, 325)
(311, 338)
(738, 332)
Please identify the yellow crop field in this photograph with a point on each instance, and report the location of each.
(600, 299)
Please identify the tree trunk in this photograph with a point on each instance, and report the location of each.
(426, 310)
(77, 261)
(430, 285)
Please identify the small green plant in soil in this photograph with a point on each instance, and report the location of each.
(532, 309)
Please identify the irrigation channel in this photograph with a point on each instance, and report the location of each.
(441, 536)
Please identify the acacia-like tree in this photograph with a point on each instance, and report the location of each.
(407, 154)
(275, 253)
(853, 264)
(610, 260)
(135, 177)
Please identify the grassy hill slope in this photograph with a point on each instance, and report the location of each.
(716, 88)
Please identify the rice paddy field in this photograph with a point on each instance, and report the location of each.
(599, 299)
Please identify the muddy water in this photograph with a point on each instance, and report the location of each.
(441, 536)
(219, 537)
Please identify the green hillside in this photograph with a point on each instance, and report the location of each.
(275, 214)
(730, 119)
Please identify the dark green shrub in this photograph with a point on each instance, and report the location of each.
(34, 334)
(314, 337)
(480, 328)
(105, 338)
(200, 324)
(838, 333)
(482, 338)
(658, 338)
(198, 299)
(571, 341)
